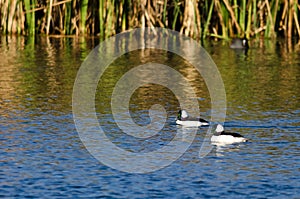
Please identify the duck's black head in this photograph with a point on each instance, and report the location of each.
(179, 115)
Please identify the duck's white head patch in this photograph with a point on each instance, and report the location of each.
(219, 128)
(184, 114)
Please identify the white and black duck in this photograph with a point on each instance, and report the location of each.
(238, 43)
(222, 137)
(184, 119)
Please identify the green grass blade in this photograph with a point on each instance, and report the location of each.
(83, 15)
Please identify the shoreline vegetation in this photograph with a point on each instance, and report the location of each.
(199, 19)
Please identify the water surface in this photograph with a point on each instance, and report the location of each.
(43, 156)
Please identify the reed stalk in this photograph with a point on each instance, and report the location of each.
(290, 18)
(49, 17)
(176, 13)
(205, 33)
(67, 22)
(4, 12)
(198, 21)
(248, 29)
(83, 15)
(110, 18)
(270, 24)
(296, 17)
(222, 16)
(242, 16)
(254, 18)
(29, 17)
(232, 16)
(165, 11)
(13, 7)
(123, 16)
(101, 17)
(235, 6)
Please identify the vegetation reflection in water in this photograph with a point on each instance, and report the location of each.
(38, 76)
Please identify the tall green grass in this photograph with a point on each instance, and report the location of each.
(30, 15)
(195, 18)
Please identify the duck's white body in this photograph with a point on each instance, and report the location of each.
(191, 123)
(227, 139)
(184, 120)
(223, 137)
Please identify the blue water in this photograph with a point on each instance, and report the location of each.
(42, 155)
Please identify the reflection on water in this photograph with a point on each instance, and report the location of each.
(42, 155)
(39, 75)
(263, 82)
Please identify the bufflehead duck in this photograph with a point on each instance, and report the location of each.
(184, 119)
(239, 43)
(222, 137)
